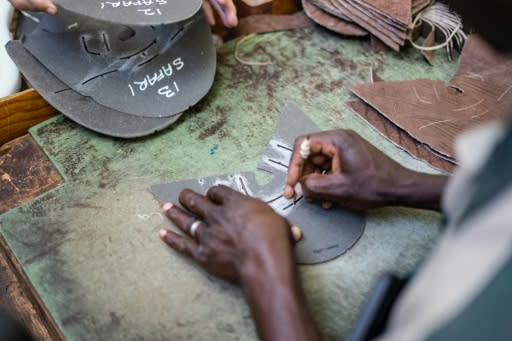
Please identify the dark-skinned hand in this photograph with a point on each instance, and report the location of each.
(236, 232)
(242, 239)
(344, 168)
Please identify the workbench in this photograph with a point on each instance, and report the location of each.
(89, 248)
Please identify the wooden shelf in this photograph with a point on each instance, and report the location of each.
(21, 111)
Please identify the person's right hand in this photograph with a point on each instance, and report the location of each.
(35, 5)
(344, 168)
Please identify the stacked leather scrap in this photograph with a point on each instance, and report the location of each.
(432, 113)
(332, 22)
(124, 69)
(388, 20)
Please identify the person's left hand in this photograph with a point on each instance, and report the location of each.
(236, 237)
(242, 239)
(225, 9)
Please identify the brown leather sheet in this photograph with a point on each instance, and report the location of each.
(399, 10)
(390, 35)
(332, 22)
(330, 7)
(376, 27)
(382, 20)
(387, 20)
(433, 112)
(419, 5)
(400, 137)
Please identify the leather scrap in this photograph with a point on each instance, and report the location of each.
(83, 110)
(25, 173)
(142, 13)
(399, 10)
(264, 23)
(429, 41)
(330, 7)
(366, 19)
(332, 22)
(139, 70)
(377, 45)
(374, 76)
(387, 20)
(433, 112)
(327, 234)
(419, 5)
(400, 137)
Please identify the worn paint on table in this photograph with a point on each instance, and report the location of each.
(91, 246)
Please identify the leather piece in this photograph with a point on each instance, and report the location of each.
(143, 13)
(386, 20)
(429, 41)
(400, 137)
(399, 10)
(81, 109)
(365, 19)
(332, 22)
(419, 5)
(264, 23)
(379, 14)
(25, 173)
(433, 112)
(144, 71)
(326, 233)
(330, 7)
(377, 45)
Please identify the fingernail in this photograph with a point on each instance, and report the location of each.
(288, 192)
(167, 206)
(327, 205)
(51, 9)
(296, 233)
(163, 233)
(298, 189)
(233, 20)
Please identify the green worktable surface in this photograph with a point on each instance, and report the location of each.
(91, 247)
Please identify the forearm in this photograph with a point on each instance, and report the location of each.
(276, 301)
(418, 190)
